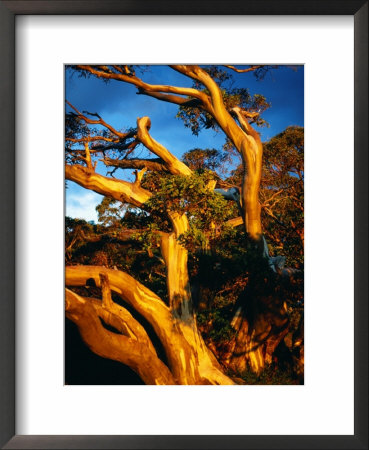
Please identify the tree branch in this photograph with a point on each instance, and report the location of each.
(175, 166)
(142, 299)
(146, 303)
(139, 175)
(88, 156)
(214, 104)
(170, 98)
(242, 119)
(250, 69)
(154, 164)
(132, 79)
(119, 318)
(115, 346)
(235, 222)
(118, 189)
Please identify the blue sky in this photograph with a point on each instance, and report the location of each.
(119, 105)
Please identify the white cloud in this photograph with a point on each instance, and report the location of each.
(81, 204)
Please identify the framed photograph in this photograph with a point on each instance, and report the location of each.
(166, 200)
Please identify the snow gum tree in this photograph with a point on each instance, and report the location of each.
(178, 208)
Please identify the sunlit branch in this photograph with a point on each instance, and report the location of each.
(182, 101)
(234, 222)
(249, 69)
(88, 156)
(175, 166)
(139, 175)
(132, 79)
(213, 104)
(118, 189)
(144, 302)
(117, 316)
(142, 299)
(242, 117)
(154, 164)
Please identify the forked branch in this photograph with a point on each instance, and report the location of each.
(118, 347)
(118, 189)
(174, 165)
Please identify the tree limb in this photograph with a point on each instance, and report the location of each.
(250, 69)
(214, 104)
(175, 166)
(235, 222)
(139, 175)
(115, 346)
(122, 320)
(132, 79)
(148, 305)
(170, 98)
(142, 299)
(118, 189)
(154, 164)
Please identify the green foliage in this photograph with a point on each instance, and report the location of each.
(77, 231)
(149, 238)
(219, 325)
(205, 209)
(101, 245)
(209, 159)
(283, 214)
(215, 322)
(111, 212)
(197, 119)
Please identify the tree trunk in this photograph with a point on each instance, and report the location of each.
(189, 360)
(261, 325)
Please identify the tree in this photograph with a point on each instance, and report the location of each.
(181, 210)
(282, 206)
(282, 193)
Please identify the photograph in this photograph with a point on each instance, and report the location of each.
(184, 224)
(167, 243)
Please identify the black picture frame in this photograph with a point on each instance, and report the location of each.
(8, 11)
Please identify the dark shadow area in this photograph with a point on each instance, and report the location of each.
(82, 367)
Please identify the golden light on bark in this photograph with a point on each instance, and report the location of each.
(188, 360)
